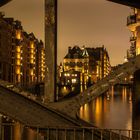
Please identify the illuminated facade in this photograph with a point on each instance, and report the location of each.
(22, 62)
(92, 63)
(69, 82)
(77, 60)
(22, 56)
(99, 63)
(133, 23)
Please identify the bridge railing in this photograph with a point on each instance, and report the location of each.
(91, 134)
(73, 133)
(86, 134)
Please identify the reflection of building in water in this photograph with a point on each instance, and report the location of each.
(84, 66)
(105, 113)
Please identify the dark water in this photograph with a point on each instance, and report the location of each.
(111, 110)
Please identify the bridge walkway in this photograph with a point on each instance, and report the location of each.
(16, 105)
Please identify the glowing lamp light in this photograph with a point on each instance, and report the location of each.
(125, 59)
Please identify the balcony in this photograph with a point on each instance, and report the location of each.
(131, 19)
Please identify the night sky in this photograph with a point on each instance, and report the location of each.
(92, 23)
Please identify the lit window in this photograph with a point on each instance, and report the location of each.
(138, 51)
(18, 49)
(18, 55)
(18, 34)
(18, 62)
(32, 45)
(31, 56)
(73, 80)
(31, 61)
(31, 72)
(17, 71)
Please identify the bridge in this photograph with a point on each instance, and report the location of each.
(19, 107)
(23, 108)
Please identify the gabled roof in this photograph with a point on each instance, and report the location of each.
(95, 52)
(75, 52)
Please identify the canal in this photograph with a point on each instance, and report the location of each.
(112, 110)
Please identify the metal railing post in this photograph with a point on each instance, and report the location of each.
(83, 134)
(56, 134)
(74, 134)
(92, 136)
(48, 134)
(119, 134)
(65, 133)
(101, 134)
(110, 134)
(129, 134)
(2, 133)
(138, 134)
(37, 137)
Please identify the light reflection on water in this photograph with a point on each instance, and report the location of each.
(111, 110)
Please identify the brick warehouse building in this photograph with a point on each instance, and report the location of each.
(22, 55)
(82, 67)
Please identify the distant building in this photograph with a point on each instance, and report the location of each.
(22, 55)
(133, 23)
(77, 60)
(22, 61)
(91, 64)
(99, 63)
